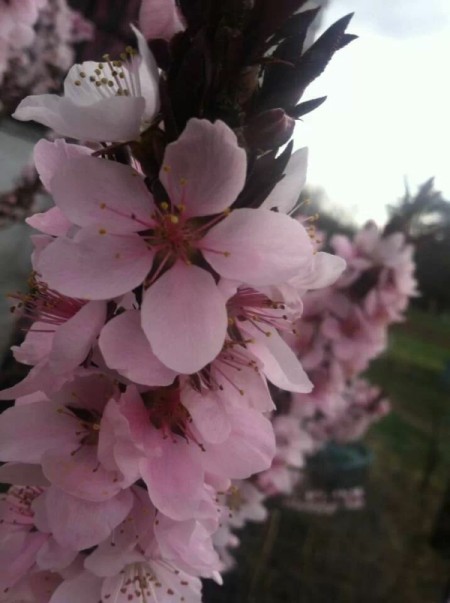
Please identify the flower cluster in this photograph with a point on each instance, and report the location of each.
(163, 286)
(37, 39)
(343, 328)
(17, 18)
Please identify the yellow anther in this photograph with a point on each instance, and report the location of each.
(226, 254)
(101, 231)
(164, 206)
(183, 181)
(181, 208)
(174, 219)
(227, 212)
(97, 71)
(77, 83)
(100, 65)
(166, 168)
(231, 321)
(82, 74)
(102, 205)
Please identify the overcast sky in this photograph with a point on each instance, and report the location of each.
(387, 113)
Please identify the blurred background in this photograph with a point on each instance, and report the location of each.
(378, 151)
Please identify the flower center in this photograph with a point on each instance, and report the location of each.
(259, 310)
(109, 78)
(167, 413)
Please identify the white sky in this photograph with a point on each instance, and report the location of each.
(388, 106)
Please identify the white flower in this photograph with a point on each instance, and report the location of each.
(111, 101)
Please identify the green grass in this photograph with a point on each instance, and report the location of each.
(381, 554)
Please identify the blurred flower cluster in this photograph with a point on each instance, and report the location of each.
(37, 39)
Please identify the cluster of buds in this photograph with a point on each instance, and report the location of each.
(166, 278)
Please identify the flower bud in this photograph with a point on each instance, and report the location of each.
(269, 129)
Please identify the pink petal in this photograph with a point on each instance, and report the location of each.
(264, 247)
(185, 319)
(54, 556)
(205, 168)
(90, 389)
(74, 339)
(287, 192)
(148, 77)
(249, 449)
(27, 432)
(118, 449)
(325, 270)
(84, 588)
(80, 473)
(52, 222)
(80, 524)
(101, 193)
(95, 266)
(159, 19)
(173, 475)
(135, 360)
(39, 379)
(209, 415)
(36, 345)
(50, 158)
(96, 121)
(280, 365)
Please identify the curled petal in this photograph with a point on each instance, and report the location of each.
(280, 365)
(135, 360)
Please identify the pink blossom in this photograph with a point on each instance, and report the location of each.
(64, 432)
(92, 101)
(181, 435)
(203, 172)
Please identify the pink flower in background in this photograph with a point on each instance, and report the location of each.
(160, 19)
